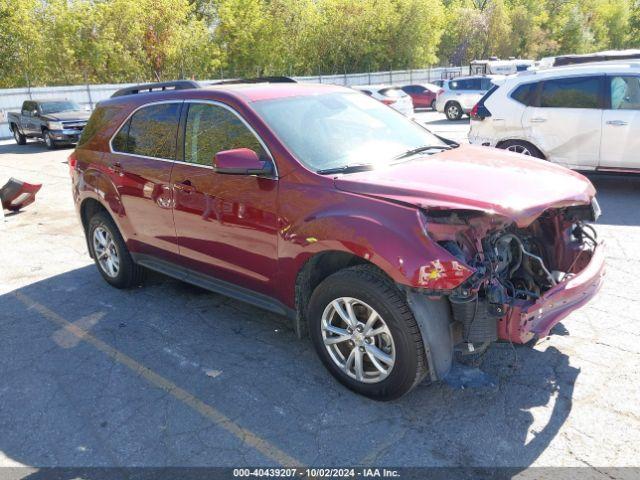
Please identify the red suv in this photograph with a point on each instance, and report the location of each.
(389, 246)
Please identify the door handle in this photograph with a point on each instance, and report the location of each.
(617, 123)
(185, 186)
(538, 120)
(117, 168)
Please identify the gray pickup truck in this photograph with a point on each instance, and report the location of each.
(54, 121)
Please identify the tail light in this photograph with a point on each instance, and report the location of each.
(479, 112)
(388, 101)
(439, 92)
(73, 161)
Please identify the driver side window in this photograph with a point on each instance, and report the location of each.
(211, 129)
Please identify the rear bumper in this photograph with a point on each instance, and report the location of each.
(526, 321)
(475, 139)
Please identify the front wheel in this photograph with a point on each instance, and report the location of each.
(453, 111)
(48, 139)
(365, 334)
(433, 105)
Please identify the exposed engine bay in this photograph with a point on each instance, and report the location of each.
(513, 266)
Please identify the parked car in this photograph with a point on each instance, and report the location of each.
(461, 94)
(392, 96)
(390, 247)
(438, 83)
(54, 121)
(582, 117)
(423, 95)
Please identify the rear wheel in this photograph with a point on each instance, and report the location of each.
(522, 147)
(365, 334)
(433, 105)
(110, 253)
(19, 138)
(453, 111)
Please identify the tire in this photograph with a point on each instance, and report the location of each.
(397, 348)
(522, 147)
(128, 273)
(49, 142)
(19, 138)
(453, 111)
(433, 105)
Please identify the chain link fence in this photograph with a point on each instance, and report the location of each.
(88, 95)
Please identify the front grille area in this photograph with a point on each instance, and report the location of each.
(74, 125)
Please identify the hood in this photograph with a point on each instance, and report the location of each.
(80, 115)
(475, 178)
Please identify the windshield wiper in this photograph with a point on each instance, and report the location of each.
(424, 148)
(356, 167)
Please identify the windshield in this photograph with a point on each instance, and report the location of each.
(339, 129)
(57, 107)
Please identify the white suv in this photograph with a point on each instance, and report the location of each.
(583, 117)
(460, 94)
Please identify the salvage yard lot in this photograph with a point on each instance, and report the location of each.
(171, 375)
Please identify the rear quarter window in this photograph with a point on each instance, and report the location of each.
(525, 94)
(100, 119)
(150, 132)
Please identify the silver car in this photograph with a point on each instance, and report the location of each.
(460, 94)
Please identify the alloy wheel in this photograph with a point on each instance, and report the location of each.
(16, 135)
(47, 139)
(453, 111)
(358, 340)
(106, 252)
(519, 149)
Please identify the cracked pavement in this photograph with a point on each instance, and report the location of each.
(572, 400)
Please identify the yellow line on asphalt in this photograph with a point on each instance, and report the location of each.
(217, 417)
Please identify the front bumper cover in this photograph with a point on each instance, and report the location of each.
(67, 135)
(526, 321)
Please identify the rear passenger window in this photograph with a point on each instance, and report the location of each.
(525, 94)
(211, 129)
(580, 92)
(151, 132)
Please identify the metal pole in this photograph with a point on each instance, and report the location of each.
(88, 91)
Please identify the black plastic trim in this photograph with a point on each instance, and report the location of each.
(213, 284)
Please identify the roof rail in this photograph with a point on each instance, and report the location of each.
(256, 80)
(153, 87)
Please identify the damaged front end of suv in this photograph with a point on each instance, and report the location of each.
(512, 279)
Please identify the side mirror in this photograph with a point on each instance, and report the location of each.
(240, 161)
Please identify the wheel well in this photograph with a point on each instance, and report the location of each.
(501, 144)
(312, 273)
(88, 209)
